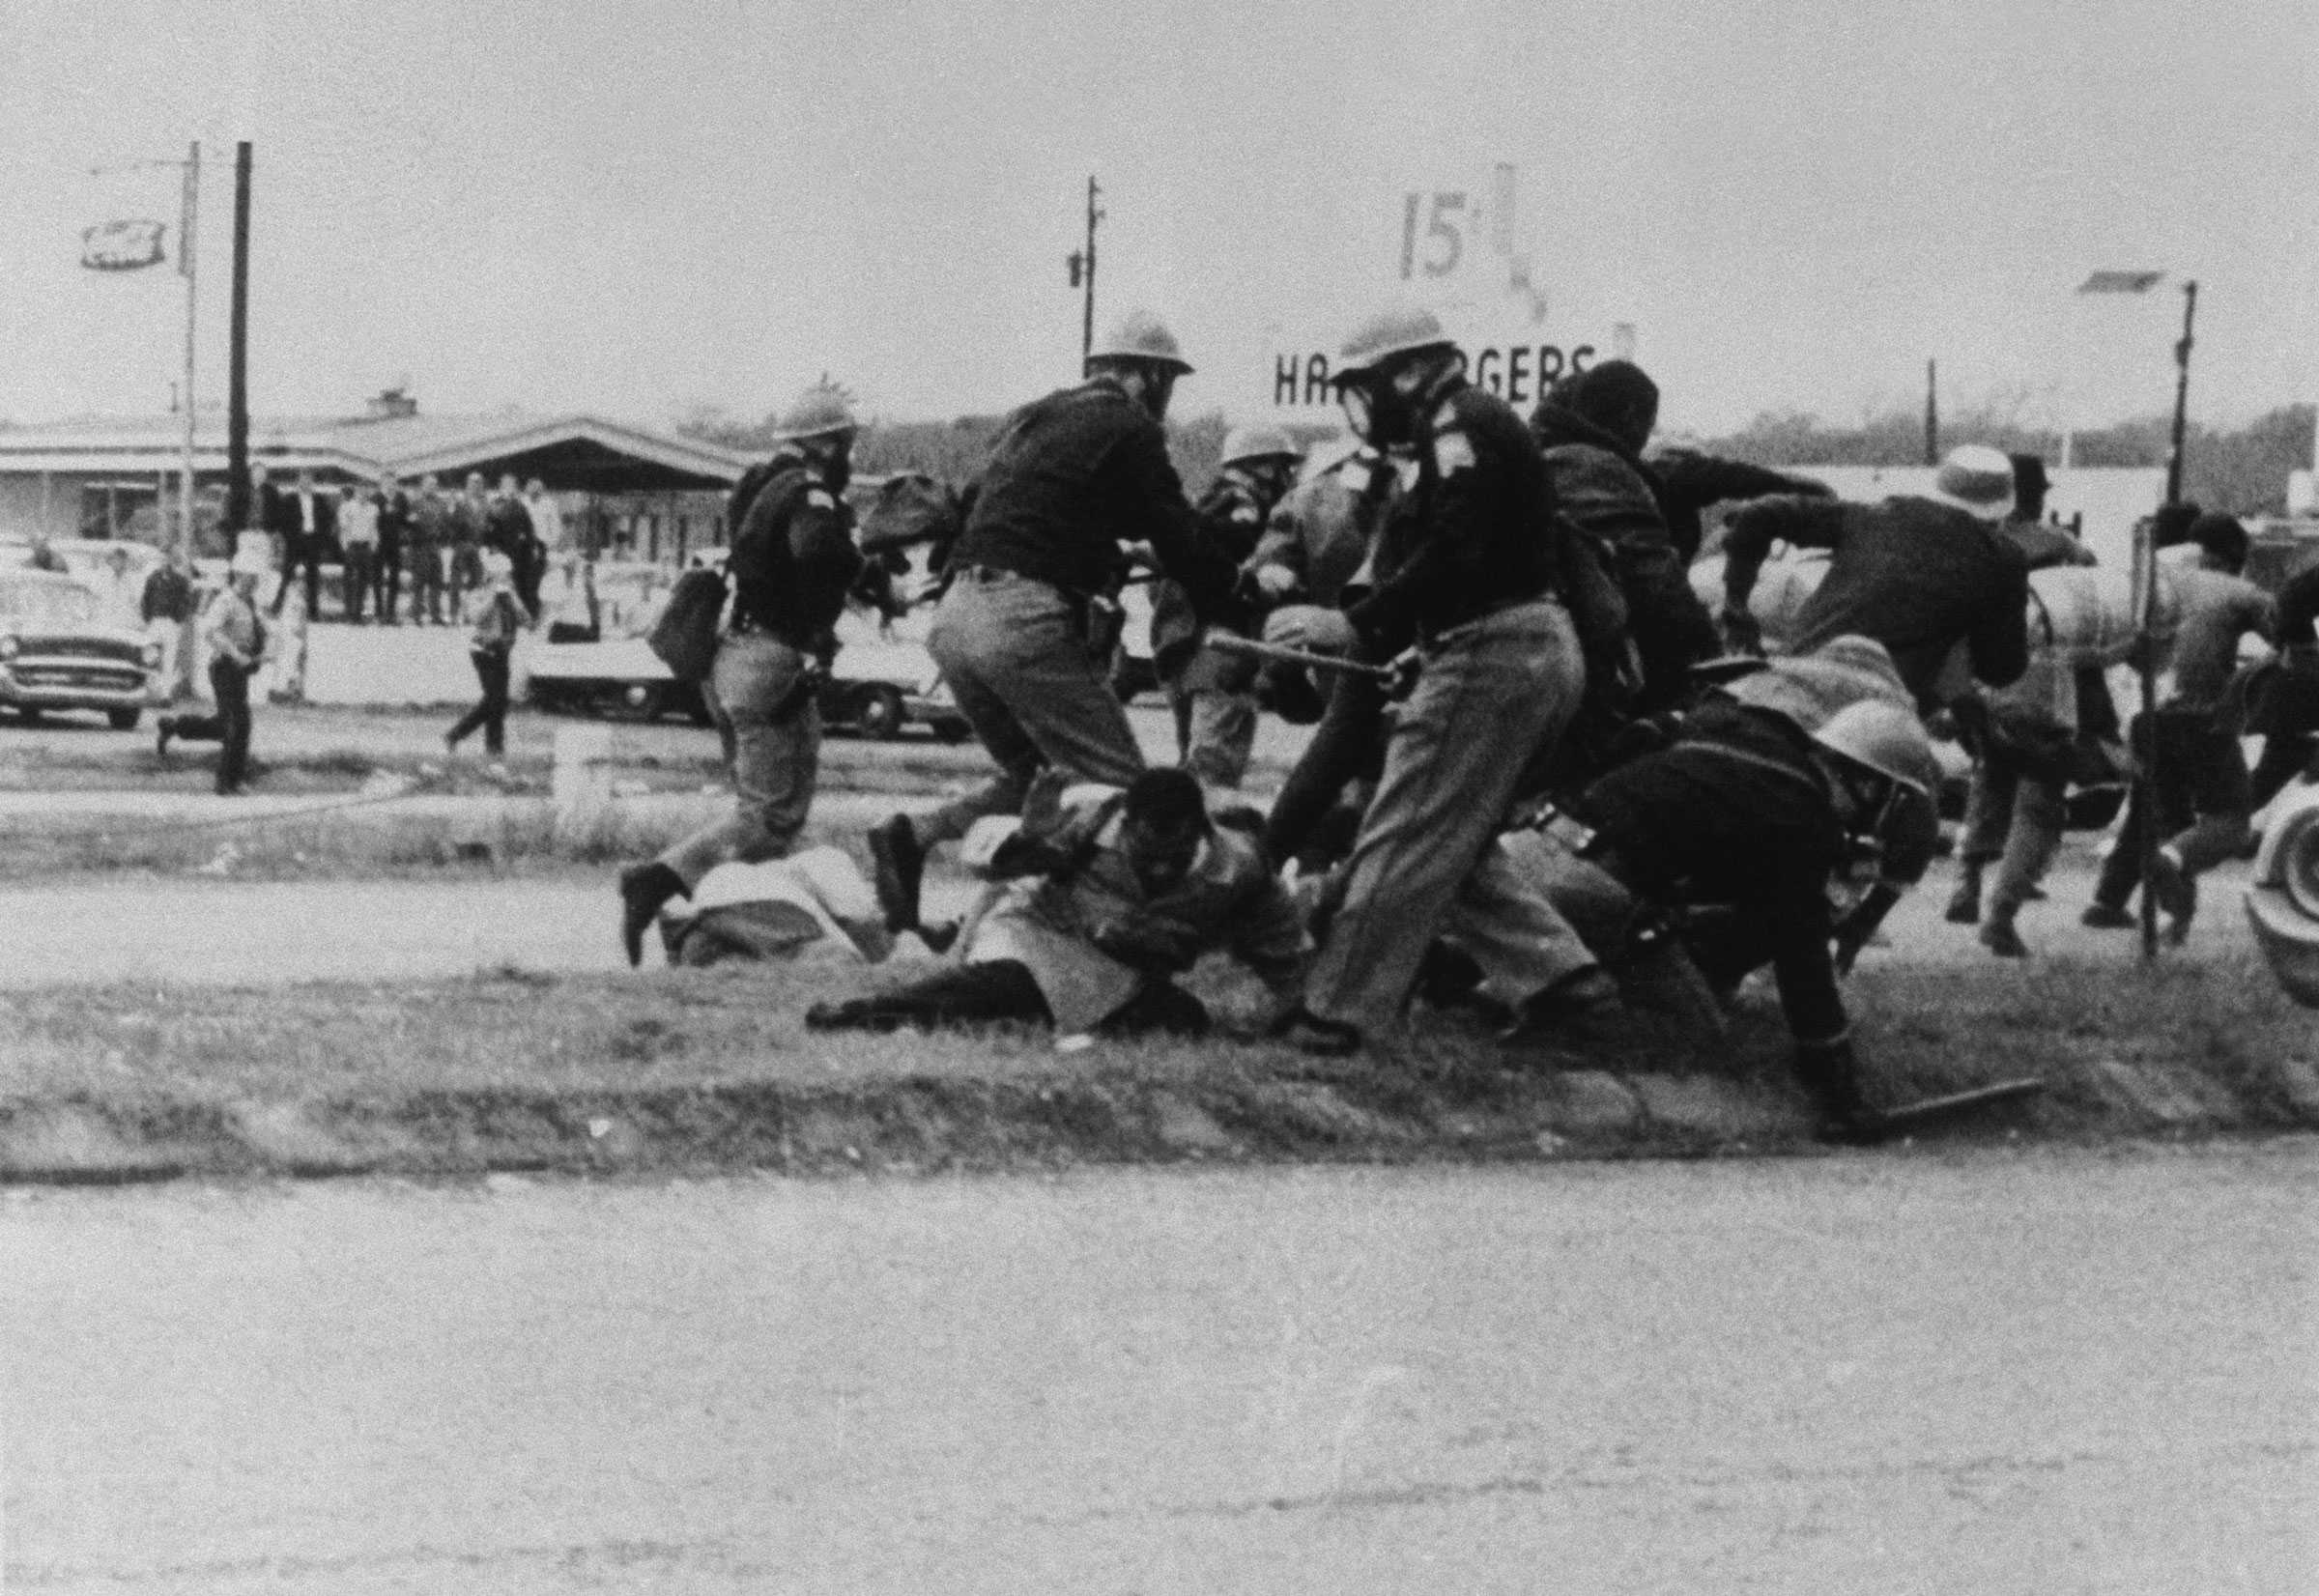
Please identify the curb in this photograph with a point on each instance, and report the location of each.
(914, 1124)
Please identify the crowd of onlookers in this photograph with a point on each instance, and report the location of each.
(405, 555)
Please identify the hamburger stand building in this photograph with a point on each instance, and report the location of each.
(625, 492)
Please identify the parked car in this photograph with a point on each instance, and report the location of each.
(2282, 897)
(59, 652)
(882, 684)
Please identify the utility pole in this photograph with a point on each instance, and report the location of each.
(1931, 412)
(189, 206)
(2149, 607)
(2181, 393)
(237, 401)
(1083, 274)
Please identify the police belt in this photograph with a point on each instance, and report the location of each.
(1086, 607)
(1431, 631)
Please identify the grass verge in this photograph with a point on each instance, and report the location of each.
(695, 1069)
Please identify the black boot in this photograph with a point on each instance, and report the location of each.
(1965, 907)
(1831, 1076)
(644, 889)
(899, 865)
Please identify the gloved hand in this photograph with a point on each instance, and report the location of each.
(1275, 581)
(1401, 676)
(1312, 627)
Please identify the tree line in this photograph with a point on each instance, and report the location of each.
(2243, 470)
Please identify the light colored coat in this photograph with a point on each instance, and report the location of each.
(1231, 902)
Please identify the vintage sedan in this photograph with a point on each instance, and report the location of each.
(882, 684)
(60, 650)
(2282, 897)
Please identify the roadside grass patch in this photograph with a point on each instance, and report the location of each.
(511, 1068)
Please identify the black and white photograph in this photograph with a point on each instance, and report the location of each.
(1309, 797)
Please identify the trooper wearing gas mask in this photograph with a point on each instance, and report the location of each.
(792, 560)
(1213, 692)
(1464, 571)
(1073, 478)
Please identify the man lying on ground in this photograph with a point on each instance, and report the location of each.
(1104, 897)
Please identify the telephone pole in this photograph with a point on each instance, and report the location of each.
(237, 400)
(1931, 412)
(1082, 274)
(188, 206)
(2182, 394)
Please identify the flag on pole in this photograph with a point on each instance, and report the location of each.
(2121, 282)
(121, 246)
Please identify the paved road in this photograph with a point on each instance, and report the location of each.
(2054, 1372)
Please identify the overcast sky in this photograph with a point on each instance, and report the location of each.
(637, 207)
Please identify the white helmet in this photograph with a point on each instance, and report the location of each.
(1886, 739)
(1140, 335)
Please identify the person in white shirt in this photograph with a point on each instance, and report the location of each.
(546, 520)
(359, 542)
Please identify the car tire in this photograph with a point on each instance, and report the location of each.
(633, 702)
(879, 714)
(123, 720)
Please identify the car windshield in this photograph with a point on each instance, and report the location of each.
(45, 604)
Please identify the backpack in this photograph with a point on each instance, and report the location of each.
(685, 636)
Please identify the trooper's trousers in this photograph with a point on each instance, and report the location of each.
(1491, 693)
(1017, 656)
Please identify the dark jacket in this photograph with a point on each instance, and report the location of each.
(1689, 483)
(507, 528)
(1736, 812)
(1476, 536)
(1074, 476)
(793, 558)
(168, 595)
(394, 521)
(277, 511)
(1916, 574)
(1603, 489)
(287, 517)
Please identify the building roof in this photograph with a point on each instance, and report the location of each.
(576, 452)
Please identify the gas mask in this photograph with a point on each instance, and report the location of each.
(832, 458)
(1376, 410)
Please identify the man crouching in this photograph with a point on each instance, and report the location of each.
(1103, 897)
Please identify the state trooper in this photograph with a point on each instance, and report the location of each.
(1213, 692)
(1466, 573)
(1750, 810)
(1073, 478)
(791, 560)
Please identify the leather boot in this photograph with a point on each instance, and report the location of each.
(644, 889)
(1831, 1077)
(1999, 936)
(898, 860)
(1964, 906)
